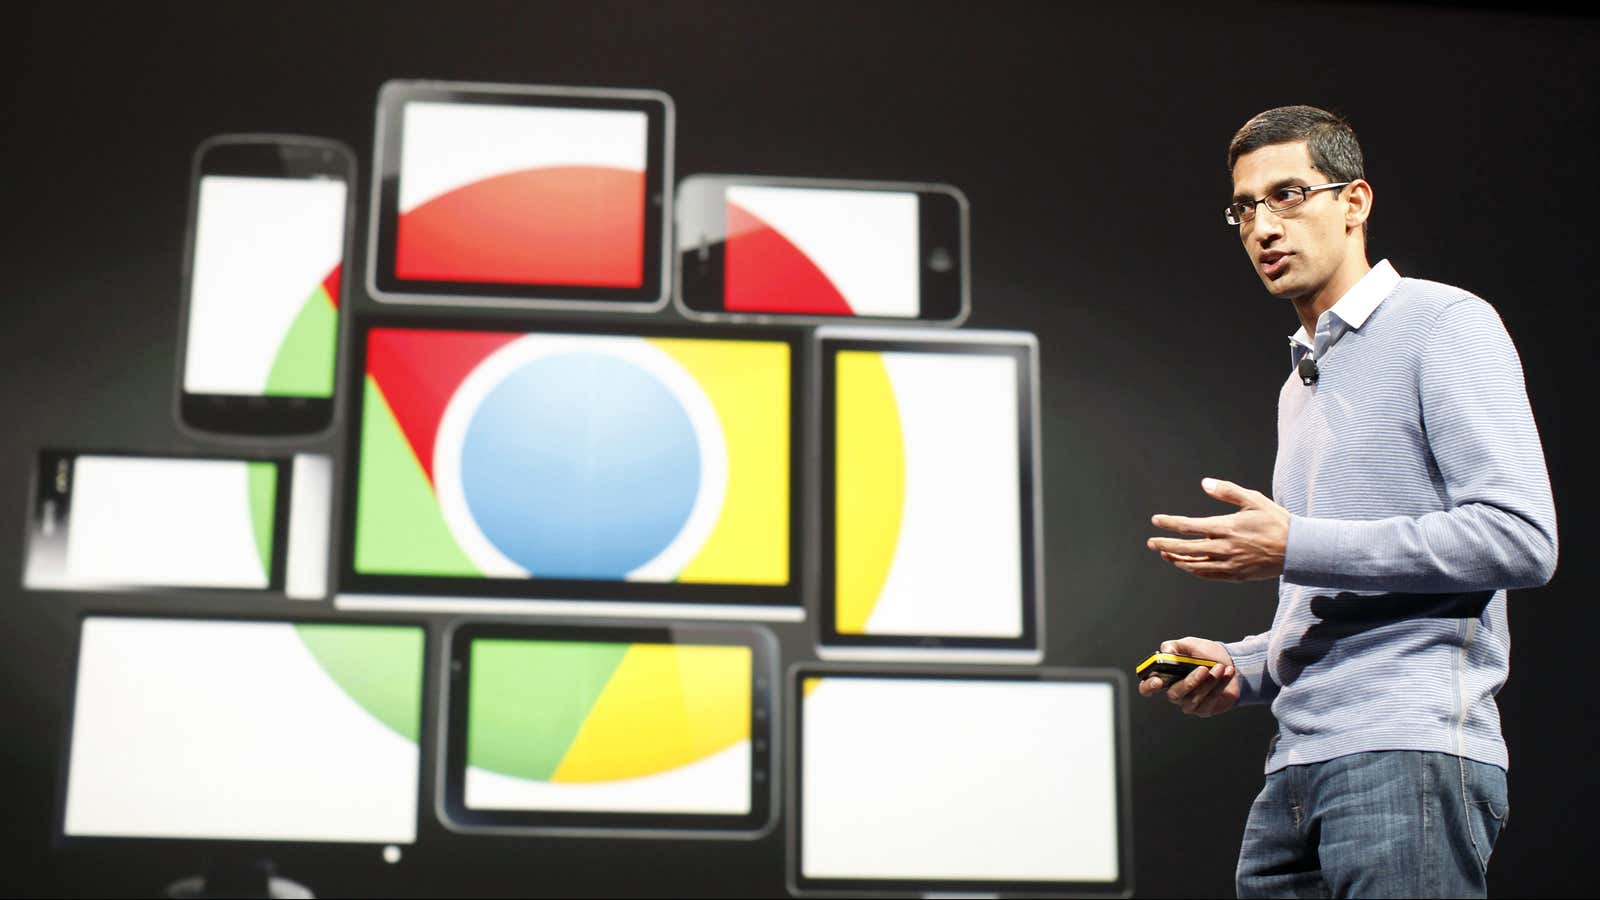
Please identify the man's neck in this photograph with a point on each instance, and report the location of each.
(1311, 307)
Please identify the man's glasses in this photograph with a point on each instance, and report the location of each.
(1279, 200)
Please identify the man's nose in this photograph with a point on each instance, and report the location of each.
(1267, 224)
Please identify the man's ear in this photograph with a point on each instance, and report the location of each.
(1357, 203)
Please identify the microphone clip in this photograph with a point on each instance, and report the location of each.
(1308, 371)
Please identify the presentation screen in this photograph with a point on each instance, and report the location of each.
(529, 196)
(920, 781)
(525, 464)
(930, 486)
(644, 729)
(245, 730)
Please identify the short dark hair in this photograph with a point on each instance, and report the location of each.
(1335, 152)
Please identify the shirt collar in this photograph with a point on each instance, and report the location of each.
(1352, 309)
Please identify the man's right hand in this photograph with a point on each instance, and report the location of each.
(1203, 692)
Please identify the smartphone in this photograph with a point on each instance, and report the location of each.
(1170, 667)
(268, 234)
(823, 251)
(120, 521)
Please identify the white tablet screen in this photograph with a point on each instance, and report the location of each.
(523, 195)
(949, 779)
(245, 731)
(927, 488)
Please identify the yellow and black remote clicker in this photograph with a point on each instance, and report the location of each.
(1170, 667)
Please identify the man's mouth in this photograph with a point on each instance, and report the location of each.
(1273, 263)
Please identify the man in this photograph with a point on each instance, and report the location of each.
(1409, 493)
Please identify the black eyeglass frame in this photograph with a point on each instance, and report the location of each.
(1242, 211)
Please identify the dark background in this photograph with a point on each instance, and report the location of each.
(1090, 142)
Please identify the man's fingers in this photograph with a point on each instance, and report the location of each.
(1184, 646)
(1228, 492)
(1198, 697)
(1204, 548)
(1185, 686)
(1210, 570)
(1151, 686)
(1206, 527)
(1218, 700)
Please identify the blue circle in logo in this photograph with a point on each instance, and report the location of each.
(580, 465)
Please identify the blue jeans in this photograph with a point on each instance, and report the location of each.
(1397, 823)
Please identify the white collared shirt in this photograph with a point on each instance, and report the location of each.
(1350, 312)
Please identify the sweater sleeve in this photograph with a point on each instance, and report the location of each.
(1250, 667)
(1499, 530)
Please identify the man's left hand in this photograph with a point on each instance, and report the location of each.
(1244, 546)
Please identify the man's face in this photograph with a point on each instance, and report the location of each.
(1296, 251)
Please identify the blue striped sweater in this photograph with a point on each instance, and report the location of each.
(1416, 484)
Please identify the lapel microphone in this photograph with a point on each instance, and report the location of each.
(1308, 371)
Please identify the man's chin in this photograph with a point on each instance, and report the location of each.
(1284, 287)
(1276, 287)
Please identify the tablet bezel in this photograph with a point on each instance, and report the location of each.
(1026, 648)
(764, 733)
(649, 296)
(800, 885)
(442, 589)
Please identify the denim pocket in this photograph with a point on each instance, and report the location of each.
(1486, 820)
(1487, 807)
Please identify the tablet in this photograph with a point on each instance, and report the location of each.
(621, 730)
(648, 472)
(912, 780)
(244, 730)
(111, 520)
(512, 195)
(930, 487)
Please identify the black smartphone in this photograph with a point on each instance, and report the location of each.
(1170, 667)
(758, 247)
(268, 234)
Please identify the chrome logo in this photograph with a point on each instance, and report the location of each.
(572, 456)
(538, 468)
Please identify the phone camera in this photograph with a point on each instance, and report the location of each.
(940, 260)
